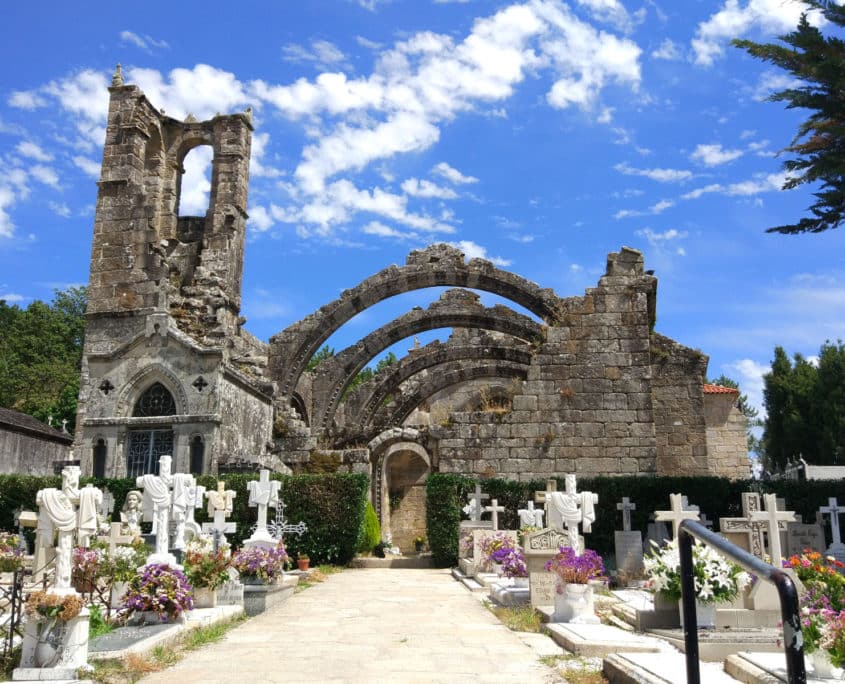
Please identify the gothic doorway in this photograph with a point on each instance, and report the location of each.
(404, 474)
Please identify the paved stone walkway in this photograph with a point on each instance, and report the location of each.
(373, 625)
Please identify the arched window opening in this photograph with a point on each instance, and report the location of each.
(194, 182)
(197, 455)
(155, 401)
(100, 452)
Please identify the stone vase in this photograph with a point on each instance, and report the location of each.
(520, 582)
(822, 667)
(575, 604)
(496, 568)
(705, 614)
(205, 597)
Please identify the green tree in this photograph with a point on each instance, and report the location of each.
(325, 352)
(818, 62)
(40, 356)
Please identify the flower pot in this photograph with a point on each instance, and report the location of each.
(303, 563)
(575, 604)
(820, 665)
(252, 580)
(520, 582)
(705, 615)
(205, 597)
(497, 568)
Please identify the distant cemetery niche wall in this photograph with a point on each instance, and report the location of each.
(580, 384)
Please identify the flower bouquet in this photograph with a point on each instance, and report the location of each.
(205, 567)
(86, 565)
(51, 611)
(717, 580)
(572, 568)
(260, 565)
(122, 564)
(496, 548)
(514, 566)
(11, 554)
(161, 589)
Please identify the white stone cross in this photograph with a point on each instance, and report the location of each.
(677, 514)
(115, 537)
(495, 509)
(834, 511)
(530, 516)
(541, 495)
(570, 509)
(772, 517)
(475, 508)
(57, 513)
(219, 507)
(157, 508)
(626, 507)
(263, 493)
(753, 528)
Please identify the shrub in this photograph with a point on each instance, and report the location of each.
(370, 531)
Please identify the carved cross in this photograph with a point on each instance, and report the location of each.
(540, 496)
(200, 383)
(677, 514)
(475, 508)
(626, 507)
(834, 511)
(754, 529)
(115, 537)
(495, 509)
(772, 518)
(106, 386)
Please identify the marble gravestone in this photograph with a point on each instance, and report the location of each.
(836, 548)
(628, 544)
(540, 547)
(802, 536)
(468, 549)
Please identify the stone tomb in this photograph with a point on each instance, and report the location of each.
(471, 561)
(540, 547)
(800, 536)
(628, 544)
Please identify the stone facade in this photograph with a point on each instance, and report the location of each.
(30, 447)
(578, 385)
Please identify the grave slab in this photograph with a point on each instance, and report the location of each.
(715, 645)
(601, 640)
(659, 668)
(509, 596)
(754, 667)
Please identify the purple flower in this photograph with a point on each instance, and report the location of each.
(572, 568)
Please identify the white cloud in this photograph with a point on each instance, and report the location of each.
(45, 174)
(367, 43)
(33, 151)
(698, 192)
(661, 206)
(260, 219)
(380, 230)
(145, 42)
(734, 19)
(654, 209)
(610, 11)
(257, 167)
(60, 209)
(772, 82)
(7, 200)
(714, 155)
(665, 236)
(321, 53)
(667, 50)
(749, 376)
(88, 166)
(26, 99)
(425, 188)
(196, 183)
(762, 183)
(575, 268)
(475, 251)
(659, 175)
(453, 175)
(11, 297)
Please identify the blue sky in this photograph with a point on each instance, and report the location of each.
(538, 134)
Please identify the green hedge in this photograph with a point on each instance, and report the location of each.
(716, 497)
(331, 505)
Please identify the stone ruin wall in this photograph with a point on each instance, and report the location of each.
(727, 440)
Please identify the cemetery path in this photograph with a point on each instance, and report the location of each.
(372, 625)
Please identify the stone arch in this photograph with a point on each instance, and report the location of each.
(400, 463)
(143, 379)
(369, 397)
(297, 403)
(455, 309)
(447, 375)
(435, 266)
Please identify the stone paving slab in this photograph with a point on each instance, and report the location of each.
(601, 640)
(659, 668)
(754, 667)
(375, 625)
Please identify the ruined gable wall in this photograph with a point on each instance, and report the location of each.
(727, 445)
(248, 422)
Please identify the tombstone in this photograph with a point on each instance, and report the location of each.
(677, 513)
(179, 505)
(280, 526)
(219, 508)
(88, 515)
(195, 496)
(657, 534)
(539, 548)
(263, 494)
(745, 532)
(475, 507)
(530, 516)
(836, 548)
(156, 509)
(107, 505)
(116, 536)
(231, 593)
(57, 516)
(569, 509)
(494, 508)
(800, 536)
(628, 543)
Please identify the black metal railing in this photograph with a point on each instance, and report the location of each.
(793, 644)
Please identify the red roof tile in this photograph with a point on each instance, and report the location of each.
(719, 389)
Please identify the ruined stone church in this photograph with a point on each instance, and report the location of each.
(584, 385)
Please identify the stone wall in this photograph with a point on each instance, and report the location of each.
(30, 447)
(727, 443)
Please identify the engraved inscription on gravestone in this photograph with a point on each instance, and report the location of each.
(800, 536)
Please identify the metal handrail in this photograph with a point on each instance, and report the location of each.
(793, 643)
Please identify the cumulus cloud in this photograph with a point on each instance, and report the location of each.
(453, 175)
(7, 200)
(714, 155)
(380, 230)
(259, 219)
(475, 251)
(11, 297)
(45, 174)
(88, 166)
(26, 99)
(425, 188)
(33, 151)
(667, 50)
(659, 175)
(735, 19)
(749, 376)
(322, 53)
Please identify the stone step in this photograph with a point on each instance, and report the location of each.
(621, 624)
(510, 596)
(420, 562)
(755, 667)
(468, 582)
(668, 667)
(601, 640)
(715, 645)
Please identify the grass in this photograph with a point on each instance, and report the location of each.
(574, 669)
(134, 666)
(519, 618)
